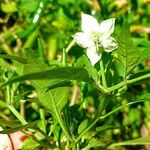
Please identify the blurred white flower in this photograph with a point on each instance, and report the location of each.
(96, 37)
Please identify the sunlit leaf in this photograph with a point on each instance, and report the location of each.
(128, 53)
(62, 73)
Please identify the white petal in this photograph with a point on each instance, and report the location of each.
(93, 55)
(109, 44)
(107, 27)
(82, 39)
(89, 23)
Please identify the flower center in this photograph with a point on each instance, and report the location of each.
(98, 42)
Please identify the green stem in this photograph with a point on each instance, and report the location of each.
(66, 132)
(102, 70)
(131, 81)
(42, 116)
(102, 104)
(7, 96)
(86, 130)
(105, 116)
(70, 46)
(74, 146)
(64, 59)
(19, 117)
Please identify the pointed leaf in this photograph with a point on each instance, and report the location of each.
(82, 126)
(21, 127)
(128, 53)
(54, 99)
(20, 59)
(62, 73)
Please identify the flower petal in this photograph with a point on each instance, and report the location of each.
(89, 23)
(109, 44)
(82, 39)
(107, 27)
(93, 55)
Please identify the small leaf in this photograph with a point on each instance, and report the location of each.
(104, 128)
(82, 126)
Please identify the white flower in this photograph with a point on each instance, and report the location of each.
(96, 37)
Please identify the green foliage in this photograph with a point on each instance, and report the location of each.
(85, 63)
(127, 53)
(21, 127)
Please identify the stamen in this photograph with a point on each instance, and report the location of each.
(97, 40)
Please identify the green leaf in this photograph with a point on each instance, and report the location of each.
(29, 144)
(54, 99)
(104, 128)
(141, 42)
(85, 63)
(40, 50)
(82, 126)
(144, 55)
(3, 65)
(128, 53)
(94, 143)
(21, 127)
(20, 59)
(62, 73)
(139, 141)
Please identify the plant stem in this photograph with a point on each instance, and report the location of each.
(19, 117)
(66, 132)
(64, 59)
(7, 94)
(105, 116)
(117, 86)
(42, 116)
(86, 130)
(101, 105)
(70, 46)
(103, 74)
